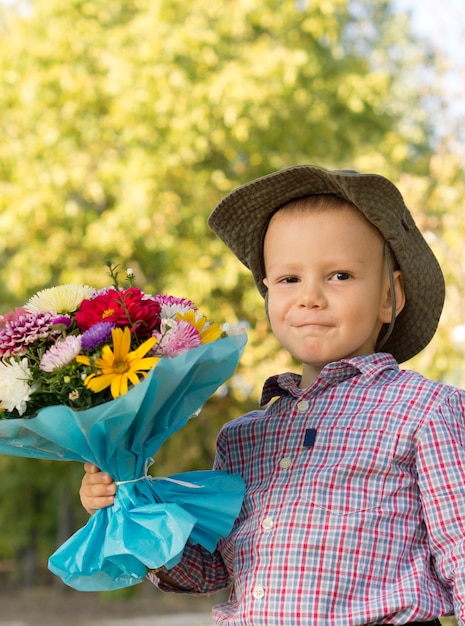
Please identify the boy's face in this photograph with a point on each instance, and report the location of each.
(328, 284)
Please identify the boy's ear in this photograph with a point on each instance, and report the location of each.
(386, 305)
(266, 302)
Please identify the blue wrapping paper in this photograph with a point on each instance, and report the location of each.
(151, 520)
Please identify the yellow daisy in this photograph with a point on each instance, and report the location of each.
(207, 332)
(117, 367)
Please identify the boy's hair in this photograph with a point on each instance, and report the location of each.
(242, 217)
(317, 202)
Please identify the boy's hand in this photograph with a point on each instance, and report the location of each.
(97, 489)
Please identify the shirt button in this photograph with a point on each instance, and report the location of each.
(267, 523)
(259, 592)
(302, 406)
(285, 463)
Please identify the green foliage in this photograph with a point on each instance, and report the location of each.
(29, 492)
(124, 122)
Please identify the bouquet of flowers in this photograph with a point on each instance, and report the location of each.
(106, 376)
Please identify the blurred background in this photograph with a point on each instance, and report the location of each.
(123, 123)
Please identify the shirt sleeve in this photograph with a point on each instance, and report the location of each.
(199, 572)
(441, 477)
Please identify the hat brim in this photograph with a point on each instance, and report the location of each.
(242, 217)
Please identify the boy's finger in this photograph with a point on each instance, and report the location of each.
(90, 468)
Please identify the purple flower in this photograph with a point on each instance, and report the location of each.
(26, 329)
(170, 305)
(95, 335)
(63, 319)
(101, 292)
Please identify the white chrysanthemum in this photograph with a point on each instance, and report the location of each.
(15, 390)
(60, 299)
(171, 305)
(60, 354)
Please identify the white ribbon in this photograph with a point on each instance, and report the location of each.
(147, 476)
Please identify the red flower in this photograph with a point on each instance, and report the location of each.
(130, 307)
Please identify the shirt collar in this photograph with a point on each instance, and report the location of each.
(368, 368)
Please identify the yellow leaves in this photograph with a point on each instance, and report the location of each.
(357, 91)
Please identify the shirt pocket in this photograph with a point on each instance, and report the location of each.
(348, 469)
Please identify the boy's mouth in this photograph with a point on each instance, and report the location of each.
(311, 324)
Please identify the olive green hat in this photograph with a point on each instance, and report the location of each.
(242, 217)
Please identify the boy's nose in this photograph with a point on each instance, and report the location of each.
(311, 295)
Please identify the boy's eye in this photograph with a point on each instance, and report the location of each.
(290, 279)
(341, 276)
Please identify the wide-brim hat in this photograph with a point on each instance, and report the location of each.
(242, 217)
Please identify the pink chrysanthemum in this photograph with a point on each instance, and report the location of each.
(61, 353)
(18, 334)
(174, 339)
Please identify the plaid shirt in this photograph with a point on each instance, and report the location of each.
(355, 504)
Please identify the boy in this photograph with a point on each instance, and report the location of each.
(355, 505)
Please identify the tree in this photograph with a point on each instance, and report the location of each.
(124, 123)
